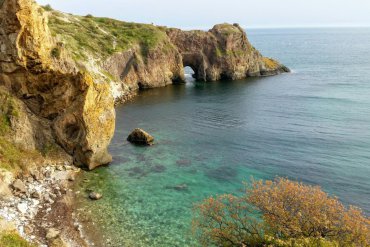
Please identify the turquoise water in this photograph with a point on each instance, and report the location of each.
(311, 125)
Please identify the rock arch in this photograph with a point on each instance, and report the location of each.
(223, 52)
(197, 63)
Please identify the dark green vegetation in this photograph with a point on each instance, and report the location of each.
(8, 109)
(9, 154)
(55, 52)
(87, 36)
(47, 7)
(292, 214)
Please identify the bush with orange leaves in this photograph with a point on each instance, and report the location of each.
(280, 213)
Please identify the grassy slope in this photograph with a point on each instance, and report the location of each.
(12, 239)
(100, 37)
(10, 155)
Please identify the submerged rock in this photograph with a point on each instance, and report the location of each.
(183, 163)
(137, 172)
(95, 196)
(139, 136)
(222, 173)
(158, 169)
(179, 187)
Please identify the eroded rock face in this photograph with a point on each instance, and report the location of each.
(223, 52)
(157, 69)
(78, 111)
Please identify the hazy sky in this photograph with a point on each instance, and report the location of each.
(205, 13)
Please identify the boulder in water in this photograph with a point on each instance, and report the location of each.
(95, 196)
(139, 136)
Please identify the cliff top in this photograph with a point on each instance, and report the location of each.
(101, 37)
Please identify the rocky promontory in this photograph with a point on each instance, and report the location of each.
(223, 52)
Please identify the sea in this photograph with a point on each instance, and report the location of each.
(311, 125)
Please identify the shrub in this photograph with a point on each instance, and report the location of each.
(55, 52)
(47, 7)
(280, 213)
(227, 220)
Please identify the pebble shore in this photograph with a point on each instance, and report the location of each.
(39, 206)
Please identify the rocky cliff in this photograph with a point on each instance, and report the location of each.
(66, 72)
(223, 52)
(66, 106)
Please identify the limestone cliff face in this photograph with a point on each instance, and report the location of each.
(68, 71)
(161, 66)
(223, 52)
(79, 113)
(131, 56)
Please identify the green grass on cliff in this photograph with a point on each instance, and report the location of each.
(8, 108)
(4, 124)
(101, 37)
(270, 63)
(227, 29)
(10, 155)
(12, 239)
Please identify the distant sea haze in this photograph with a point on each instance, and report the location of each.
(311, 125)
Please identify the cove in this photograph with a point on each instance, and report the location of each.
(310, 125)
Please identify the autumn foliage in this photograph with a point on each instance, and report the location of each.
(280, 213)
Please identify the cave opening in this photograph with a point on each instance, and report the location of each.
(189, 74)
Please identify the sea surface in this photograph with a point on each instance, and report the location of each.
(311, 125)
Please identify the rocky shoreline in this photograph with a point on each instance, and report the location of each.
(39, 206)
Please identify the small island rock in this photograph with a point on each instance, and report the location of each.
(139, 136)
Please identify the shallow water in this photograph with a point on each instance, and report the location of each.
(311, 125)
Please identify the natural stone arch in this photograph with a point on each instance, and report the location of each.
(223, 52)
(195, 61)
